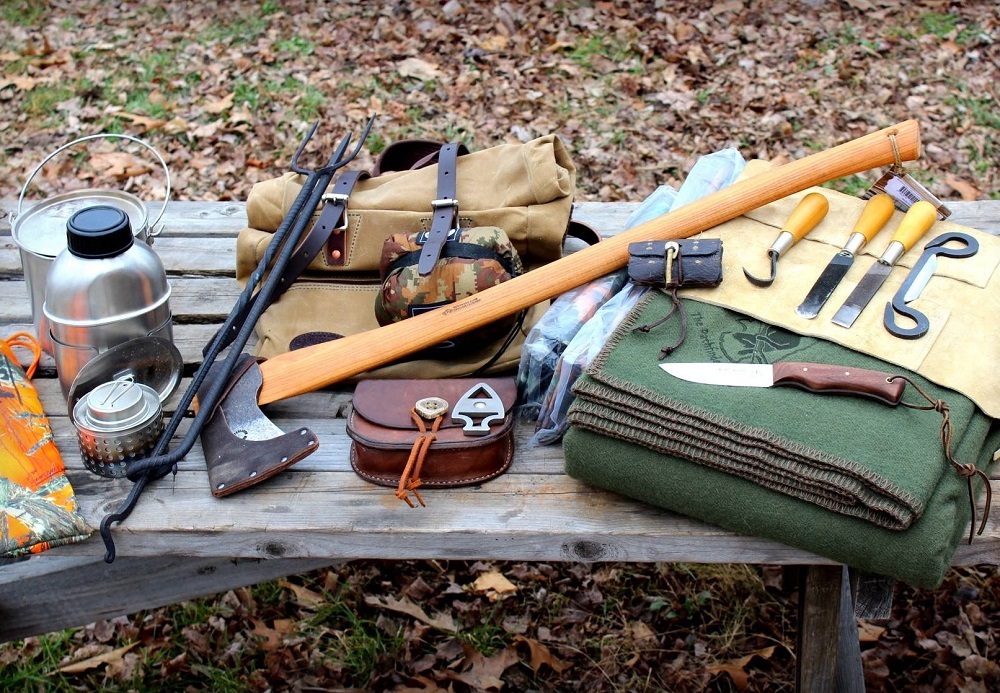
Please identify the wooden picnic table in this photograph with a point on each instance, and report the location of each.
(181, 542)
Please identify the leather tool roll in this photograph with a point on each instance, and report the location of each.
(384, 431)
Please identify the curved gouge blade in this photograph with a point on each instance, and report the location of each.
(918, 220)
(311, 368)
(874, 215)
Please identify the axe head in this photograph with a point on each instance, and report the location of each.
(242, 447)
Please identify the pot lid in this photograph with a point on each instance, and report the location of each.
(151, 361)
(42, 228)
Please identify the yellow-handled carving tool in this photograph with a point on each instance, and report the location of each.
(809, 212)
(874, 216)
(918, 220)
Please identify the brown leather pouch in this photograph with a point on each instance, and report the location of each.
(472, 440)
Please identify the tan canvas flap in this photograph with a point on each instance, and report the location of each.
(962, 300)
(525, 189)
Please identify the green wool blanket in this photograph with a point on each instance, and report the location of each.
(846, 477)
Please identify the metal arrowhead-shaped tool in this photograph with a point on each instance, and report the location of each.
(874, 216)
(481, 402)
(920, 217)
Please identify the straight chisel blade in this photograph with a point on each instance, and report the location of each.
(862, 294)
(919, 218)
(874, 216)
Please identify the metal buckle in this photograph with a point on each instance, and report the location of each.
(335, 197)
(444, 202)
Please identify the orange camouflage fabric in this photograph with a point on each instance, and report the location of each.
(37, 505)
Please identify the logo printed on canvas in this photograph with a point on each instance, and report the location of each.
(755, 342)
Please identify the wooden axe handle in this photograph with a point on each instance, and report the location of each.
(312, 368)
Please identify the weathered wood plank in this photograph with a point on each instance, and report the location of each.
(199, 219)
(182, 218)
(55, 592)
(818, 638)
(180, 255)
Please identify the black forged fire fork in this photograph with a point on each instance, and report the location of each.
(235, 330)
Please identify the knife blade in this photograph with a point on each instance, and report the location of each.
(918, 220)
(874, 216)
(819, 378)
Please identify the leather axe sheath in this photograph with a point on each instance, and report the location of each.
(311, 368)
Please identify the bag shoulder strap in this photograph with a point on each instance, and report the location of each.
(445, 207)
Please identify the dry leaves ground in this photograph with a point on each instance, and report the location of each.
(638, 91)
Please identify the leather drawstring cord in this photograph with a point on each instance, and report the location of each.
(409, 480)
(968, 470)
(677, 306)
(28, 341)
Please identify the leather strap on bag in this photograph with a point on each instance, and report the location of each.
(330, 226)
(445, 208)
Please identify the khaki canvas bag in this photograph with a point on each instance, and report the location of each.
(525, 189)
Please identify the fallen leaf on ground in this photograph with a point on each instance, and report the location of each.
(541, 656)
(223, 104)
(304, 596)
(868, 632)
(967, 190)
(483, 673)
(494, 585)
(142, 121)
(121, 165)
(113, 658)
(418, 69)
(404, 606)
(736, 668)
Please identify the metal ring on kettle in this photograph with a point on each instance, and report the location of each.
(152, 229)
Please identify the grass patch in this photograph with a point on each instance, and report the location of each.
(297, 45)
(979, 109)
(22, 12)
(239, 32)
(949, 25)
(604, 46)
(853, 185)
(41, 101)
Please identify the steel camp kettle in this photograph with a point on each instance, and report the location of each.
(103, 290)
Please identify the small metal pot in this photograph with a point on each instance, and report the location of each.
(40, 232)
(117, 422)
(116, 403)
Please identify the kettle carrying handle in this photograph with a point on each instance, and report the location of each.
(152, 229)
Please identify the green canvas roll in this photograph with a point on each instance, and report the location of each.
(844, 477)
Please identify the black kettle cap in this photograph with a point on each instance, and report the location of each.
(99, 231)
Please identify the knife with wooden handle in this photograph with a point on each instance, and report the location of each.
(820, 378)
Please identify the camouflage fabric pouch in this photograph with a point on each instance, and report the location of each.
(37, 506)
(471, 260)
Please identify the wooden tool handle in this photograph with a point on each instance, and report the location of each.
(311, 368)
(918, 220)
(876, 214)
(809, 212)
(840, 380)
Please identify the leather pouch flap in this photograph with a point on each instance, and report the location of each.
(387, 403)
